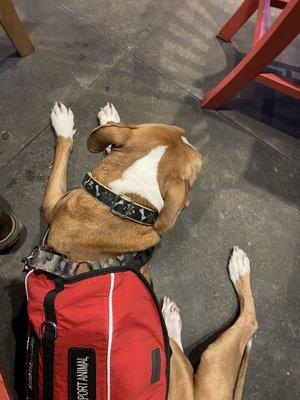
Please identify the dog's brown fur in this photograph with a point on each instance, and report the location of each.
(84, 229)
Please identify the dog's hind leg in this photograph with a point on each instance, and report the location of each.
(223, 364)
(181, 385)
(172, 319)
(181, 371)
(63, 123)
(242, 372)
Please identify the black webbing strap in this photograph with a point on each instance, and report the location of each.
(119, 205)
(138, 260)
(49, 334)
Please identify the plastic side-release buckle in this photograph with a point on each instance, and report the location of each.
(46, 330)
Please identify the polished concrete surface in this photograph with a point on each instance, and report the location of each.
(155, 60)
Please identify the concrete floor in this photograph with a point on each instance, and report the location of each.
(154, 60)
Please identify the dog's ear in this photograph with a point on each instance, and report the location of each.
(103, 136)
(175, 197)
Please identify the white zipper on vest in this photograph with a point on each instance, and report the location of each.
(26, 288)
(110, 331)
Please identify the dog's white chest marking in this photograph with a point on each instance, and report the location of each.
(141, 178)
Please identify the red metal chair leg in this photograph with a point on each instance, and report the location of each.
(262, 19)
(277, 83)
(242, 14)
(284, 29)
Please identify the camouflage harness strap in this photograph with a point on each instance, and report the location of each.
(46, 259)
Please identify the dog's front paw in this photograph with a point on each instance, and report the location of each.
(239, 264)
(62, 119)
(107, 114)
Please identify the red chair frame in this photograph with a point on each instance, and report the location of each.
(268, 43)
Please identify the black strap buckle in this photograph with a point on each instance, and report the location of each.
(138, 260)
(29, 261)
(128, 203)
(26, 261)
(51, 324)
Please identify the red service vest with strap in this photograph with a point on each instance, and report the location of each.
(95, 336)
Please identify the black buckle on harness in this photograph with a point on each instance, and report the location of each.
(129, 206)
(30, 260)
(44, 325)
(26, 261)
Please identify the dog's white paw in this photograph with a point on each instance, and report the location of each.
(62, 119)
(108, 114)
(239, 264)
(172, 319)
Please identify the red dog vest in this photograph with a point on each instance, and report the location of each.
(95, 336)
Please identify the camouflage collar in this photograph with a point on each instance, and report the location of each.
(45, 259)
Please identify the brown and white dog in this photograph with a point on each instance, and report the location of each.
(155, 166)
(152, 164)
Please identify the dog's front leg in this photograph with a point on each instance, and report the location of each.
(63, 123)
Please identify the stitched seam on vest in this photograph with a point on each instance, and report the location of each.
(110, 332)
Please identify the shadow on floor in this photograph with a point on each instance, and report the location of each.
(270, 180)
(257, 101)
(195, 350)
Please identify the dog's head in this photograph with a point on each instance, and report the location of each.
(178, 168)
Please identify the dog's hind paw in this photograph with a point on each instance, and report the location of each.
(107, 114)
(239, 264)
(172, 319)
(62, 119)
